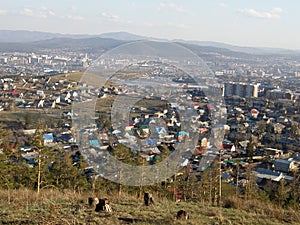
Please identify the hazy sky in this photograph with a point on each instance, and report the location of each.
(269, 23)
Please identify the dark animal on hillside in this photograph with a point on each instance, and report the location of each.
(93, 201)
(182, 215)
(148, 199)
(103, 205)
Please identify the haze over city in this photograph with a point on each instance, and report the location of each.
(246, 23)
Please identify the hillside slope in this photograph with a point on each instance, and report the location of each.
(53, 207)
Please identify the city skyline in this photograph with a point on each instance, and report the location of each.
(244, 23)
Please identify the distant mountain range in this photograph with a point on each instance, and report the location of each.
(22, 36)
(33, 40)
(88, 44)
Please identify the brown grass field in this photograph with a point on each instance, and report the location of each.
(54, 207)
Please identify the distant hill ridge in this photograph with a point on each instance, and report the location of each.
(16, 39)
(22, 36)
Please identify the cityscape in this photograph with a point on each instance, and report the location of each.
(126, 128)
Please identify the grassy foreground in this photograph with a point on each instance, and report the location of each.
(54, 207)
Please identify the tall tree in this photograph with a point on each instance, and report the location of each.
(250, 150)
(281, 193)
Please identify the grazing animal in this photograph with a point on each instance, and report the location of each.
(148, 199)
(93, 201)
(182, 215)
(103, 205)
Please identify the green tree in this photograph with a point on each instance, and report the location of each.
(294, 196)
(43, 159)
(62, 174)
(261, 128)
(281, 193)
(188, 186)
(3, 135)
(250, 150)
(210, 184)
(294, 130)
(251, 187)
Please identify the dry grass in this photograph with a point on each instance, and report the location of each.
(265, 209)
(76, 77)
(54, 207)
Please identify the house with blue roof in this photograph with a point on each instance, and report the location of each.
(94, 143)
(48, 138)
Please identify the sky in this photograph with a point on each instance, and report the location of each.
(260, 23)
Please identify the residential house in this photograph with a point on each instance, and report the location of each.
(48, 138)
(285, 165)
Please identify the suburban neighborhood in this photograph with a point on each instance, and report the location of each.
(238, 123)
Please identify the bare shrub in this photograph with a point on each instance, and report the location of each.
(232, 202)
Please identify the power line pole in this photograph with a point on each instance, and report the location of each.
(39, 171)
(237, 177)
(39, 166)
(220, 179)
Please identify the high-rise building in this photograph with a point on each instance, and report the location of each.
(240, 89)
